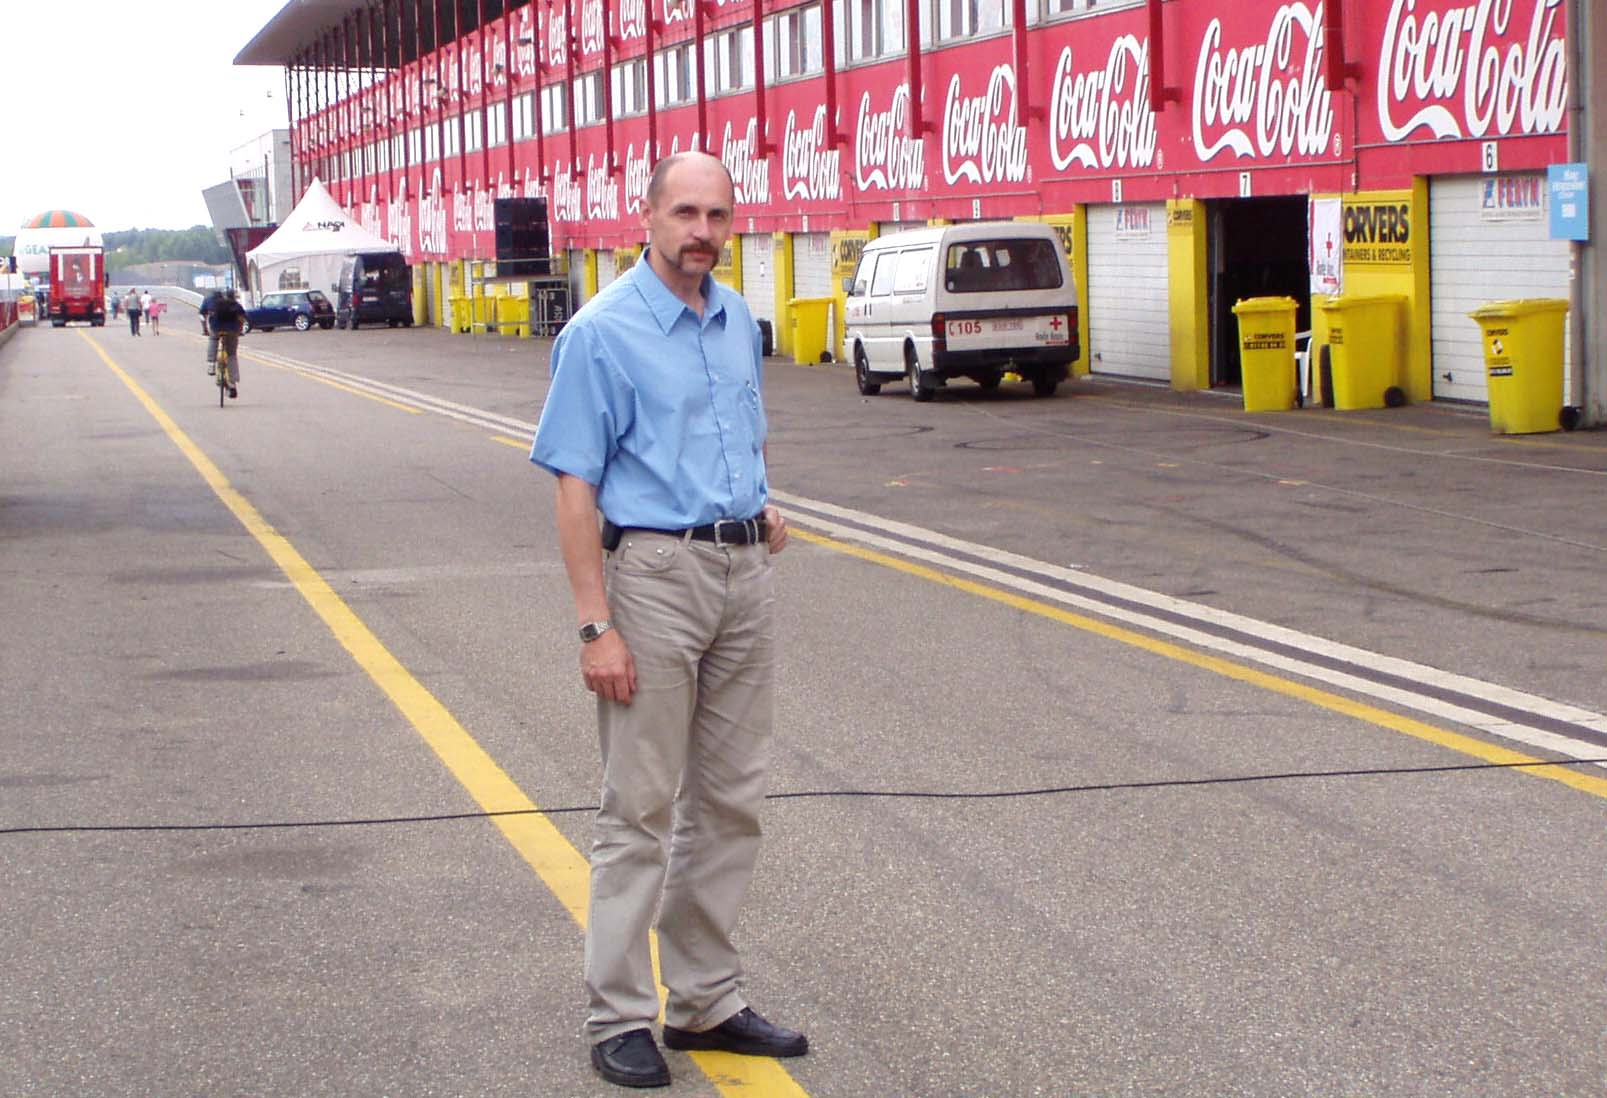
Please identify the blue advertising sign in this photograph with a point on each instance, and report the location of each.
(1570, 201)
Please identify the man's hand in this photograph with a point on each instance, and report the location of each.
(776, 528)
(608, 669)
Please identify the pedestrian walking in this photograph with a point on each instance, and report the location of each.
(131, 305)
(153, 314)
(655, 420)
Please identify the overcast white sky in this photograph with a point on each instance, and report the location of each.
(123, 110)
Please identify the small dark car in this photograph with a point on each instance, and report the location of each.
(300, 309)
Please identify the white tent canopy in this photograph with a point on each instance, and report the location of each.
(308, 248)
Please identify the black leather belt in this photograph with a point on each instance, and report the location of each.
(724, 532)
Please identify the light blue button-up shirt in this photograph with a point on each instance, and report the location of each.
(657, 408)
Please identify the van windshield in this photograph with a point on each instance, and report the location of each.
(986, 266)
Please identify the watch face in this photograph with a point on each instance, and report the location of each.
(592, 630)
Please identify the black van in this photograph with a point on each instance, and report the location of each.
(374, 287)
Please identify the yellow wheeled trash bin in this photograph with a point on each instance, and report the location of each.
(1366, 345)
(811, 328)
(1267, 352)
(1523, 347)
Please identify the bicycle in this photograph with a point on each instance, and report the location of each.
(228, 353)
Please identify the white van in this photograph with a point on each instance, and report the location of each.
(973, 300)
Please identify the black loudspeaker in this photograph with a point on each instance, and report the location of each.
(523, 244)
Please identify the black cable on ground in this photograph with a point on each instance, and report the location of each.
(860, 794)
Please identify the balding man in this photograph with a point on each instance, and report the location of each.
(655, 419)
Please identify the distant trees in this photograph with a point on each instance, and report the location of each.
(130, 247)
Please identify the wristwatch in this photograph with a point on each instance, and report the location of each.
(594, 629)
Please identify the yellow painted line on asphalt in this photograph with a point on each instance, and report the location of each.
(516, 443)
(1372, 714)
(563, 868)
(409, 409)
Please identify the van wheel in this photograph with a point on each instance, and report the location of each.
(867, 387)
(920, 384)
(1044, 386)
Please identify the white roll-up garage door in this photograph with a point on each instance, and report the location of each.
(811, 265)
(607, 269)
(759, 274)
(1128, 330)
(1488, 241)
(577, 277)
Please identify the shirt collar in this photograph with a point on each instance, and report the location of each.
(665, 306)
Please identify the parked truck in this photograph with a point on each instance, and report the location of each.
(77, 285)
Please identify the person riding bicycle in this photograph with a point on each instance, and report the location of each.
(226, 321)
(208, 303)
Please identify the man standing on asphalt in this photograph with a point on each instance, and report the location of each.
(132, 307)
(654, 419)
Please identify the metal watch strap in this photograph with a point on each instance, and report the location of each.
(594, 629)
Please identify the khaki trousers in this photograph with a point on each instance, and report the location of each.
(683, 780)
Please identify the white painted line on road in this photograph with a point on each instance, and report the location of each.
(1130, 603)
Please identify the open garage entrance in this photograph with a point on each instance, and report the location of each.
(1256, 248)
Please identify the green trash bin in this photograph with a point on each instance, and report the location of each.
(1365, 350)
(811, 328)
(1523, 348)
(1267, 352)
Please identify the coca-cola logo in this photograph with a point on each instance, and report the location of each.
(1102, 118)
(567, 202)
(1471, 70)
(638, 172)
(677, 11)
(400, 214)
(591, 26)
(750, 173)
(632, 19)
(432, 218)
(885, 157)
(557, 38)
(524, 50)
(1264, 99)
(602, 193)
(982, 141)
(810, 169)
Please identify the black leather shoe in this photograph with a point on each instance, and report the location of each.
(631, 1060)
(744, 1032)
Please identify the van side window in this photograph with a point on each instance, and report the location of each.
(881, 283)
(862, 275)
(984, 266)
(912, 267)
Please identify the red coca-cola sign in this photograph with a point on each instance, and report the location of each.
(1248, 108)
